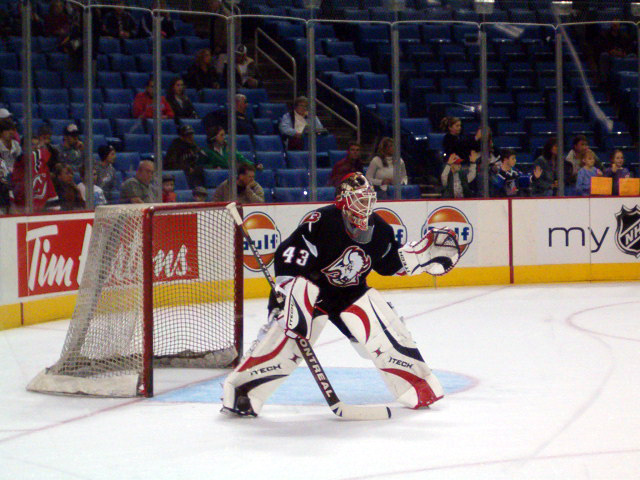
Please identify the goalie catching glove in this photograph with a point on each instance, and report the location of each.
(436, 253)
(297, 312)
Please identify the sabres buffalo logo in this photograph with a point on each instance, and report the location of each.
(348, 268)
(266, 237)
(454, 219)
(392, 218)
(628, 230)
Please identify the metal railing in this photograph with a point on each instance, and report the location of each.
(355, 126)
(293, 75)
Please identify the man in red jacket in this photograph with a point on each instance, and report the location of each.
(143, 103)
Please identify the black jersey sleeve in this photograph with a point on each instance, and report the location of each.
(388, 262)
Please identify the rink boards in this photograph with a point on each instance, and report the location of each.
(502, 241)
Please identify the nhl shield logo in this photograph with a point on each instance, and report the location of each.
(628, 230)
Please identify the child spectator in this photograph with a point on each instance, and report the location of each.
(68, 193)
(455, 180)
(178, 100)
(200, 194)
(586, 173)
(380, 169)
(351, 163)
(168, 187)
(106, 176)
(505, 182)
(578, 153)
(71, 149)
(143, 103)
(616, 170)
(202, 74)
(98, 194)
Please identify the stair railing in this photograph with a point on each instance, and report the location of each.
(291, 75)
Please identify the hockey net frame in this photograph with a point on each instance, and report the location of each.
(126, 296)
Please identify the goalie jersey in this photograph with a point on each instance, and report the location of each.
(321, 250)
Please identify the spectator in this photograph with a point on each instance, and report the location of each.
(10, 149)
(178, 100)
(247, 75)
(543, 178)
(68, 193)
(98, 194)
(244, 118)
(380, 169)
(57, 22)
(452, 141)
(139, 189)
(71, 44)
(616, 170)
(352, 162)
(202, 74)
(119, 23)
(505, 182)
(577, 155)
(294, 124)
(218, 153)
(44, 140)
(71, 150)
(200, 194)
(586, 173)
(4, 188)
(143, 103)
(44, 192)
(455, 180)
(218, 26)
(167, 27)
(106, 176)
(615, 41)
(183, 154)
(248, 190)
(4, 113)
(168, 187)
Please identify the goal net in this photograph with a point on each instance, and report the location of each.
(162, 286)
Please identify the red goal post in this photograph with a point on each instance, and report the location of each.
(162, 287)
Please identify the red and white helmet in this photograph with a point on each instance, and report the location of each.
(356, 198)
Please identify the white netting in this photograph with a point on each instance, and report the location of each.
(194, 300)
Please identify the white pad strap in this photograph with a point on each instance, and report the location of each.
(436, 253)
(386, 340)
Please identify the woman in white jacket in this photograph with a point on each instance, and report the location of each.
(380, 169)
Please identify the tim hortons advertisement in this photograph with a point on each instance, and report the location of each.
(52, 255)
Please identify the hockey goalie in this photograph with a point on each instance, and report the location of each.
(321, 272)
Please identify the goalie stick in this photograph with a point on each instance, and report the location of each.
(339, 408)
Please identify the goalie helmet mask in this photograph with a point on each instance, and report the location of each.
(356, 198)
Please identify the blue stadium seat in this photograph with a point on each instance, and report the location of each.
(254, 95)
(9, 61)
(184, 196)
(407, 192)
(10, 78)
(127, 161)
(268, 143)
(289, 29)
(344, 82)
(297, 159)
(109, 80)
(322, 176)
(191, 45)
(274, 111)
(202, 109)
(135, 80)
(171, 46)
(134, 46)
(325, 194)
(511, 127)
(195, 123)
(354, 63)
(271, 160)
(77, 94)
(46, 79)
(370, 80)
(337, 48)
(385, 110)
(101, 126)
(335, 156)
(217, 96)
(179, 63)
(368, 98)
(121, 114)
(326, 64)
(214, 177)
(119, 95)
(296, 177)
(266, 178)
(264, 126)
(437, 32)
(138, 142)
(179, 177)
(325, 143)
(244, 144)
(284, 194)
(108, 45)
(53, 95)
(543, 127)
(508, 141)
(418, 127)
(77, 110)
(122, 63)
(54, 111)
(518, 83)
(454, 84)
(58, 124)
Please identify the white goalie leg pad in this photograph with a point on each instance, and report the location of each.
(297, 314)
(268, 364)
(387, 341)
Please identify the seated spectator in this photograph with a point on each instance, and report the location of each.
(244, 118)
(105, 171)
(4, 113)
(455, 179)
(504, 183)
(543, 179)
(380, 169)
(168, 187)
(294, 124)
(202, 74)
(167, 26)
(98, 194)
(352, 162)
(45, 196)
(247, 75)
(139, 189)
(586, 173)
(68, 194)
(616, 170)
(218, 153)
(200, 194)
(248, 190)
(178, 100)
(71, 150)
(10, 149)
(57, 22)
(577, 155)
(183, 154)
(71, 44)
(143, 103)
(44, 140)
(218, 26)
(119, 23)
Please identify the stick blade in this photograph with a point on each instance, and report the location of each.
(358, 412)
